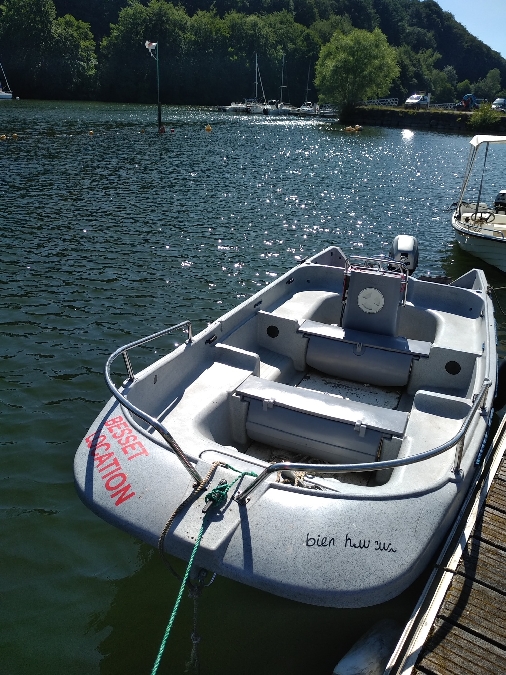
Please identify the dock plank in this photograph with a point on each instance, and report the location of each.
(469, 632)
(485, 563)
(496, 497)
(475, 608)
(501, 471)
(491, 527)
(452, 651)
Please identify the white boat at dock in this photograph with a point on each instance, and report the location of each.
(480, 226)
(341, 411)
(309, 109)
(250, 106)
(5, 91)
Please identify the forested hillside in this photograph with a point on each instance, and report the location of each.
(95, 49)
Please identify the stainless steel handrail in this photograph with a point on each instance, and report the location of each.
(381, 264)
(375, 466)
(166, 435)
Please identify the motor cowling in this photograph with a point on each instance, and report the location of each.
(404, 249)
(500, 202)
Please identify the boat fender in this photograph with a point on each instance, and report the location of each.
(370, 654)
(500, 397)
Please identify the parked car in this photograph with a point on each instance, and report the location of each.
(499, 104)
(417, 101)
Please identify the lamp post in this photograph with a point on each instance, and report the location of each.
(153, 46)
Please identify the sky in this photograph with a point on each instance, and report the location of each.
(485, 19)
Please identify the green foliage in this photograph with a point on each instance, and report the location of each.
(124, 52)
(50, 48)
(442, 90)
(100, 14)
(484, 117)
(360, 12)
(451, 75)
(417, 72)
(46, 56)
(490, 86)
(323, 31)
(463, 88)
(354, 67)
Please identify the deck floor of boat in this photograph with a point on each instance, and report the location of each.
(271, 455)
(383, 397)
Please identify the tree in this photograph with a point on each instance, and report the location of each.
(72, 62)
(126, 72)
(323, 30)
(442, 90)
(46, 56)
(488, 87)
(451, 75)
(463, 88)
(354, 67)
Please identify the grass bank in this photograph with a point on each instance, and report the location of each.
(433, 120)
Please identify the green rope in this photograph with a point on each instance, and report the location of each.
(216, 497)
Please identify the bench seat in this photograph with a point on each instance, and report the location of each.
(376, 340)
(372, 358)
(318, 424)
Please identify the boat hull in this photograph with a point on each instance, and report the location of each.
(243, 391)
(344, 550)
(487, 247)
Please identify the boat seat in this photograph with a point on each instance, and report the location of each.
(366, 348)
(383, 360)
(322, 425)
(371, 300)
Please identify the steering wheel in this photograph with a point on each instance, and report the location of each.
(483, 217)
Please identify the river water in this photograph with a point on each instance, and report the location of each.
(109, 232)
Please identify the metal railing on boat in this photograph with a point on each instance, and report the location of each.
(457, 440)
(125, 403)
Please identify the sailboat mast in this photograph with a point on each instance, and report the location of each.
(256, 76)
(5, 78)
(307, 84)
(282, 85)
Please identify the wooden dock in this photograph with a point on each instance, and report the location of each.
(458, 626)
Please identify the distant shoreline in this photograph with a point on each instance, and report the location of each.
(431, 120)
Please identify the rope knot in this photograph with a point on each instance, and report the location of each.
(217, 496)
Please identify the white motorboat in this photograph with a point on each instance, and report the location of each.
(309, 109)
(322, 435)
(480, 226)
(327, 110)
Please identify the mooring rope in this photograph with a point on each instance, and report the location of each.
(216, 497)
(197, 489)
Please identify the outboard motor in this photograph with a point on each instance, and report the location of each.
(500, 202)
(404, 249)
